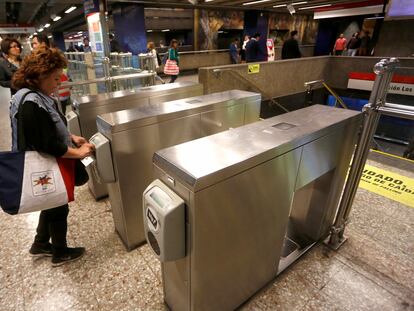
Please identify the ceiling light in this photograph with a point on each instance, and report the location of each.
(297, 3)
(40, 30)
(165, 30)
(80, 32)
(255, 2)
(50, 37)
(208, 0)
(35, 33)
(279, 6)
(314, 7)
(72, 8)
(70, 37)
(56, 18)
(149, 30)
(47, 25)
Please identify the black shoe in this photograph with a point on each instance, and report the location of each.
(39, 250)
(68, 255)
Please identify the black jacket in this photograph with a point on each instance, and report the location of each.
(290, 49)
(7, 70)
(252, 51)
(40, 130)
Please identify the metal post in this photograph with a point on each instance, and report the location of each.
(384, 71)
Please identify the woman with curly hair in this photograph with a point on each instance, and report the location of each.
(44, 130)
(10, 61)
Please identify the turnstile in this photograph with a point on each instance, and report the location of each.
(136, 134)
(87, 108)
(256, 198)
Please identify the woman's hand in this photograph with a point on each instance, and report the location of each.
(83, 151)
(78, 140)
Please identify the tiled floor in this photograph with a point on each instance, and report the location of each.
(373, 270)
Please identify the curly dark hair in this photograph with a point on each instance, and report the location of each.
(36, 66)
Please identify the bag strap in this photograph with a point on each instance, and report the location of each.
(21, 140)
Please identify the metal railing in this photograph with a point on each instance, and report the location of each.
(311, 84)
(251, 84)
(376, 107)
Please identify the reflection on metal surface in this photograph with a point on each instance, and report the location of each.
(137, 133)
(257, 197)
(87, 108)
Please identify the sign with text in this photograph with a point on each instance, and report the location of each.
(387, 184)
(403, 85)
(255, 68)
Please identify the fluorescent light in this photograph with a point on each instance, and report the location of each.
(57, 18)
(314, 7)
(220, 31)
(47, 25)
(279, 6)
(40, 30)
(297, 3)
(149, 30)
(35, 33)
(72, 8)
(70, 37)
(165, 30)
(208, 0)
(255, 2)
(80, 32)
(50, 37)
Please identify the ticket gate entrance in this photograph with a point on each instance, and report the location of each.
(255, 199)
(82, 120)
(135, 135)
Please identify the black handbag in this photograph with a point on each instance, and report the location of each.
(81, 176)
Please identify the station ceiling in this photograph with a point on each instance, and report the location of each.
(40, 12)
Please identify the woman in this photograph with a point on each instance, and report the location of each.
(157, 61)
(45, 131)
(10, 61)
(172, 64)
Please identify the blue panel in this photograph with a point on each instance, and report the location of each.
(129, 22)
(11, 180)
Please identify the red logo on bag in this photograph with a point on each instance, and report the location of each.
(43, 181)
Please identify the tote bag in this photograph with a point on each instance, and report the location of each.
(171, 68)
(32, 181)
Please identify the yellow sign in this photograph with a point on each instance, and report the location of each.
(253, 68)
(390, 185)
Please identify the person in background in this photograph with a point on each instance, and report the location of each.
(365, 46)
(10, 62)
(340, 45)
(114, 45)
(234, 51)
(243, 49)
(63, 94)
(171, 67)
(290, 48)
(252, 49)
(156, 58)
(44, 129)
(71, 48)
(353, 45)
(86, 47)
(40, 41)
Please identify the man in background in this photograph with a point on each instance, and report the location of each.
(340, 45)
(252, 49)
(234, 51)
(290, 47)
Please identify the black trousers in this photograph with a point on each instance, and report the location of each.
(53, 224)
(173, 78)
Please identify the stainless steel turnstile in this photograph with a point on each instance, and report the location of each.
(136, 134)
(86, 108)
(256, 198)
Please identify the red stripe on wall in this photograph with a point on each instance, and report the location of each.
(371, 77)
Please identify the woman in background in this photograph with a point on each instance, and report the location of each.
(10, 62)
(171, 67)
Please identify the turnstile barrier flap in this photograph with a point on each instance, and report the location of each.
(205, 161)
(164, 221)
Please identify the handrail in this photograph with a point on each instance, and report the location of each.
(110, 79)
(310, 84)
(251, 83)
